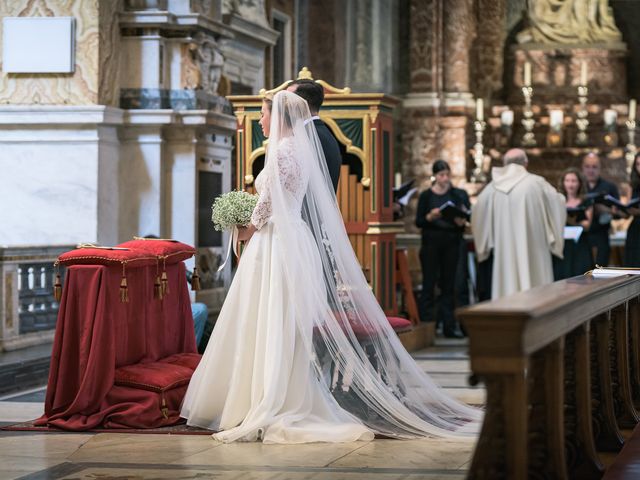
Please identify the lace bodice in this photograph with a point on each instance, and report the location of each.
(293, 180)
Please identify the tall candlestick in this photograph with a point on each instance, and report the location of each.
(583, 73)
(632, 109)
(527, 74)
(480, 109)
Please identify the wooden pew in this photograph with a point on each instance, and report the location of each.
(561, 368)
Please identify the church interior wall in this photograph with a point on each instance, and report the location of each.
(79, 88)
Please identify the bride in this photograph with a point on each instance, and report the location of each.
(301, 351)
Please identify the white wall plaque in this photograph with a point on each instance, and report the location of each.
(38, 44)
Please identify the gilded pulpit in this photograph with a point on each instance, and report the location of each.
(363, 126)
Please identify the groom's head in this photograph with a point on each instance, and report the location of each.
(311, 91)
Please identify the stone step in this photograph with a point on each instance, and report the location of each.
(24, 369)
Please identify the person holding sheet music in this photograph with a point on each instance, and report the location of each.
(598, 233)
(578, 258)
(442, 213)
(632, 244)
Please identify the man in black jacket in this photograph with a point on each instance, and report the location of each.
(598, 234)
(313, 93)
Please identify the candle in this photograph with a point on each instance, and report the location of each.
(527, 74)
(555, 119)
(506, 118)
(610, 117)
(479, 110)
(398, 179)
(632, 109)
(583, 73)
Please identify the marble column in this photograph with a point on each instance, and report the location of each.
(459, 33)
(426, 46)
(421, 105)
(439, 102)
(488, 49)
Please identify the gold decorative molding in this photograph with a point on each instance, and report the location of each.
(256, 153)
(373, 112)
(305, 74)
(385, 227)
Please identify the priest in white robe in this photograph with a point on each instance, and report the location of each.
(521, 217)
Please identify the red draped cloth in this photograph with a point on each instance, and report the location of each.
(96, 334)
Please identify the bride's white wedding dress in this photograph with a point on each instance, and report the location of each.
(288, 361)
(256, 377)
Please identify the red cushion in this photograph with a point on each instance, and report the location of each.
(364, 330)
(106, 256)
(154, 376)
(399, 324)
(170, 250)
(189, 360)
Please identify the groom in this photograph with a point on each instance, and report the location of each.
(313, 93)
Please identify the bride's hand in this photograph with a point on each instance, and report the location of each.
(245, 232)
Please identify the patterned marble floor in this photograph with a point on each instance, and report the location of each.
(119, 456)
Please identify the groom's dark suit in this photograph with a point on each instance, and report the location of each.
(331, 151)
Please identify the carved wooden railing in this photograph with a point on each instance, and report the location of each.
(561, 367)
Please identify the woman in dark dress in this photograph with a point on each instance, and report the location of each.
(441, 239)
(578, 258)
(632, 244)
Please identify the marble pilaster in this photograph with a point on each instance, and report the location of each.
(487, 62)
(141, 181)
(435, 123)
(459, 33)
(426, 46)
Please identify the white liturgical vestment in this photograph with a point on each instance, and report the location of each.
(521, 217)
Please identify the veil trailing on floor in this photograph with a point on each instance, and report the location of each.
(355, 352)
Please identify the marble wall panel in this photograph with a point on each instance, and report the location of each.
(53, 196)
(81, 87)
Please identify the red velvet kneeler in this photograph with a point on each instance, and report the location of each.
(96, 334)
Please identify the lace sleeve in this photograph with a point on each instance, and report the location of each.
(290, 174)
(262, 212)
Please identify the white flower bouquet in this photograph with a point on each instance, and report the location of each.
(232, 209)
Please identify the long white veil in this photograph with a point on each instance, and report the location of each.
(355, 351)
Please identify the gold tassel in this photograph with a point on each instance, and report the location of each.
(157, 289)
(165, 279)
(164, 409)
(195, 280)
(57, 286)
(124, 289)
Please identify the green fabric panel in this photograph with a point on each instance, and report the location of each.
(352, 129)
(256, 135)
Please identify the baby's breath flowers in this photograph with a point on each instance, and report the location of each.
(233, 208)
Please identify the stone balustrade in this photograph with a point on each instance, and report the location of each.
(28, 310)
